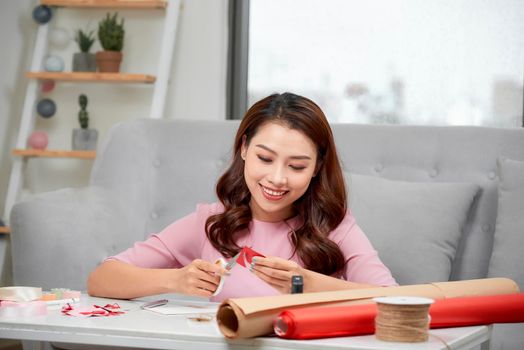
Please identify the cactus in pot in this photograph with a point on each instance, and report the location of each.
(83, 115)
(84, 138)
(84, 61)
(111, 36)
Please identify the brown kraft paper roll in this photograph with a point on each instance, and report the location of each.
(253, 317)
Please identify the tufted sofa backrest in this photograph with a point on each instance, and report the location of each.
(163, 168)
(439, 154)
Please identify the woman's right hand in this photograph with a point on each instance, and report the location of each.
(116, 279)
(200, 278)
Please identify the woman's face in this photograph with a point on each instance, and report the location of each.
(279, 165)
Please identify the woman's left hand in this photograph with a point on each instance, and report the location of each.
(277, 272)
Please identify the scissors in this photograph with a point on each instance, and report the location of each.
(232, 262)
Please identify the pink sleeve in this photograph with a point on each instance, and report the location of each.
(362, 262)
(174, 247)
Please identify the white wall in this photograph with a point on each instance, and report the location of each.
(197, 81)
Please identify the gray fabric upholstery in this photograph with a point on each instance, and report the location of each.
(439, 154)
(163, 168)
(507, 259)
(420, 222)
(509, 234)
(146, 175)
(151, 172)
(67, 233)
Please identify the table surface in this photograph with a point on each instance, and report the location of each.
(147, 329)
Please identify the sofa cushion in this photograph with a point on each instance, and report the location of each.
(507, 259)
(415, 226)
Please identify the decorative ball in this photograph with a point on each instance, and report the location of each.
(38, 140)
(46, 108)
(42, 14)
(47, 86)
(59, 37)
(54, 64)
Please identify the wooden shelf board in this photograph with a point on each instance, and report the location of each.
(93, 77)
(131, 4)
(5, 230)
(54, 153)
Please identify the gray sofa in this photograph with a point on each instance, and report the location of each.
(438, 203)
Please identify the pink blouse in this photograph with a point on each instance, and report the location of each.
(185, 240)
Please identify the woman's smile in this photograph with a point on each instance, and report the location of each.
(273, 195)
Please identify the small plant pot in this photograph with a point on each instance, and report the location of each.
(84, 139)
(84, 62)
(109, 61)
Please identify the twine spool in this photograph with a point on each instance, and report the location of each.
(402, 319)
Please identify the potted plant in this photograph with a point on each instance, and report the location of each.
(84, 138)
(84, 61)
(111, 37)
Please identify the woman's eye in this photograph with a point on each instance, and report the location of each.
(264, 159)
(297, 167)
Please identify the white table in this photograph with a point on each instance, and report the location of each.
(146, 329)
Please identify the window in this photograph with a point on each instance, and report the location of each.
(446, 62)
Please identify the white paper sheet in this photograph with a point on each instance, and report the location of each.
(183, 310)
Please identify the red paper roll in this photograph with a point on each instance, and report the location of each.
(471, 311)
(324, 322)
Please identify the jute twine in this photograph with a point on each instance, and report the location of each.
(402, 319)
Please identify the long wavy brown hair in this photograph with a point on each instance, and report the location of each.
(321, 208)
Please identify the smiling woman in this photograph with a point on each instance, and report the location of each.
(283, 195)
(279, 165)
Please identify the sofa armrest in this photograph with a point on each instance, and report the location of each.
(59, 237)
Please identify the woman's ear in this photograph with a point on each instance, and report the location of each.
(243, 148)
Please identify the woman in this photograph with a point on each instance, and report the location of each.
(283, 195)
